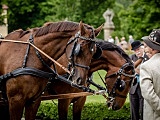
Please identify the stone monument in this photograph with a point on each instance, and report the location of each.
(109, 25)
(4, 27)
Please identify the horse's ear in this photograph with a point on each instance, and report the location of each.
(98, 30)
(81, 28)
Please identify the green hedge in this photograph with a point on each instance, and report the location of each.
(91, 111)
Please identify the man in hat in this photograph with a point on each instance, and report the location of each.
(150, 77)
(136, 99)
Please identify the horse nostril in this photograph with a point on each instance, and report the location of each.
(116, 108)
(79, 80)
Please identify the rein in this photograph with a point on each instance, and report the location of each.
(28, 42)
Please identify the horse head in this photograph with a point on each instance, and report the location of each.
(120, 73)
(118, 85)
(80, 50)
(119, 78)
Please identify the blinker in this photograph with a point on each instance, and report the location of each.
(77, 49)
(121, 85)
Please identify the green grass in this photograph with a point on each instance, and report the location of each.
(97, 79)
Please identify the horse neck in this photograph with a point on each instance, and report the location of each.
(54, 46)
(110, 61)
(63, 61)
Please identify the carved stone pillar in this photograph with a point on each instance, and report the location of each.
(109, 25)
(4, 27)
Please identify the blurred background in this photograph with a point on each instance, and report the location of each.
(131, 17)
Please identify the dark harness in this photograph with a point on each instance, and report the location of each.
(51, 75)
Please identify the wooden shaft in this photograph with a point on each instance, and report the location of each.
(65, 96)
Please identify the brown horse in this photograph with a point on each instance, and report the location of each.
(120, 72)
(25, 57)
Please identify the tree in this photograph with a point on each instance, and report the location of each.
(34, 13)
(139, 18)
(1, 17)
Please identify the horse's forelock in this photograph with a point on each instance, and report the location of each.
(56, 26)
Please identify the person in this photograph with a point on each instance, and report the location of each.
(110, 39)
(150, 77)
(130, 41)
(123, 44)
(116, 40)
(146, 50)
(136, 99)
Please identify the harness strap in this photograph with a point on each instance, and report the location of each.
(27, 71)
(82, 66)
(24, 42)
(96, 85)
(84, 88)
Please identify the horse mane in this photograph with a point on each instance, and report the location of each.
(21, 32)
(51, 27)
(105, 45)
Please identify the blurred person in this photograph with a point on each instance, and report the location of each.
(130, 41)
(123, 44)
(136, 99)
(117, 40)
(147, 50)
(110, 39)
(150, 77)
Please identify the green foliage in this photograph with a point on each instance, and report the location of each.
(48, 110)
(1, 17)
(91, 111)
(131, 17)
(34, 13)
(139, 18)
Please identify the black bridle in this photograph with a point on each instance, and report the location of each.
(119, 84)
(76, 50)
